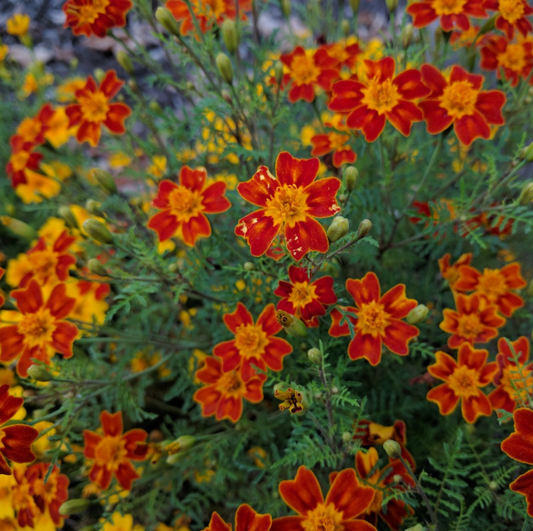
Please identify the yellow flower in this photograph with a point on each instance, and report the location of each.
(4, 49)
(6, 506)
(163, 247)
(158, 167)
(37, 187)
(18, 24)
(43, 444)
(259, 455)
(144, 360)
(30, 85)
(67, 90)
(59, 131)
(90, 301)
(119, 160)
(121, 522)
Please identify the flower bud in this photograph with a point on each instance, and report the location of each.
(347, 437)
(75, 506)
(493, 485)
(526, 194)
(155, 107)
(292, 325)
(230, 35)
(176, 458)
(345, 25)
(99, 74)
(93, 207)
(19, 227)
(417, 527)
(286, 8)
(181, 444)
(68, 216)
(315, 355)
(338, 228)
(342, 198)
(104, 179)
(39, 373)
(278, 72)
(97, 231)
(392, 448)
(417, 314)
(350, 177)
(354, 4)
(167, 20)
(391, 5)
(528, 155)
(248, 266)
(334, 390)
(225, 68)
(364, 228)
(124, 61)
(407, 35)
(529, 290)
(96, 267)
(132, 85)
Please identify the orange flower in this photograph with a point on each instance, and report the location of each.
(453, 14)
(463, 382)
(494, 285)
(451, 272)
(246, 519)
(33, 130)
(15, 439)
(461, 102)
(95, 17)
(93, 109)
(511, 14)
(344, 54)
(289, 205)
(346, 500)
(514, 378)
(305, 299)
(22, 158)
(382, 97)
(41, 331)
(307, 69)
(378, 320)
(2, 298)
(113, 451)
(337, 142)
(184, 206)
(254, 343)
(223, 394)
(474, 321)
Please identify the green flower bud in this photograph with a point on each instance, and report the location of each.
(407, 35)
(345, 25)
(181, 444)
(132, 85)
(526, 194)
(104, 179)
(528, 155)
(68, 216)
(155, 107)
(97, 231)
(347, 437)
(19, 227)
(350, 177)
(391, 5)
(286, 8)
(417, 314)
(173, 267)
(124, 61)
(177, 457)
(39, 373)
(74, 506)
(230, 35)
(99, 74)
(167, 20)
(278, 72)
(225, 68)
(315, 355)
(417, 527)
(364, 228)
(338, 228)
(493, 485)
(248, 266)
(93, 207)
(334, 390)
(96, 267)
(392, 448)
(529, 290)
(354, 4)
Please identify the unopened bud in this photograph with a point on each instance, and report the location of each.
(104, 179)
(132, 85)
(155, 107)
(342, 198)
(176, 458)
(397, 479)
(39, 373)
(286, 8)
(167, 20)
(68, 216)
(526, 194)
(350, 177)
(99, 74)
(417, 314)
(364, 228)
(493, 485)
(292, 325)
(391, 5)
(338, 228)
(230, 35)
(530, 288)
(96, 267)
(417, 527)
(345, 25)
(124, 61)
(334, 390)
(407, 35)
(347, 437)
(181, 444)
(19, 227)
(225, 68)
(354, 4)
(97, 231)
(74, 506)
(528, 154)
(248, 266)
(315, 355)
(174, 267)
(93, 207)
(278, 72)
(392, 448)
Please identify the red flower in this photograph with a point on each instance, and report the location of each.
(453, 14)
(183, 206)
(308, 69)
(382, 97)
(246, 519)
(474, 321)
(346, 500)
(450, 272)
(304, 299)
(41, 331)
(378, 320)
(514, 377)
(511, 14)
(337, 142)
(461, 102)
(223, 394)
(16, 439)
(95, 17)
(289, 205)
(33, 130)
(344, 54)
(113, 451)
(93, 109)
(22, 158)
(463, 382)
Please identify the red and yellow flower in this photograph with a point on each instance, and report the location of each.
(512, 14)
(289, 205)
(453, 14)
(304, 299)
(41, 330)
(325, 143)
(224, 390)
(22, 158)
(254, 343)
(184, 206)
(113, 452)
(33, 130)
(378, 322)
(346, 53)
(474, 321)
(93, 108)
(246, 519)
(346, 501)
(450, 272)
(460, 102)
(382, 97)
(463, 382)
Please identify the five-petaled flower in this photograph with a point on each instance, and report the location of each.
(305, 299)
(112, 452)
(246, 519)
(93, 108)
(461, 102)
(474, 321)
(22, 158)
(511, 14)
(289, 205)
(224, 390)
(254, 343)
(325, 143)
(346, 501)
(453, 14)
(383, 96)
(41, 330)
(378, 320)
(463, 381)
(184, 206)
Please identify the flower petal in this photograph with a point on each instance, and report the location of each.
(302, 494)
(348, 496)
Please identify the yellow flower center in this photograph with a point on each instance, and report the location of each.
(302, 294)
(185, 203)
(210, 8)
(511, 10)
(88, 13)
(29, 129)
(94, 106)
(251, 340)
(513, 58)
(337, 140)
(463, 382)
(469, 326)
(323, 518)
(289, 205)
(381, 97)
(111, 452)
(448, 7)
(338, 52)
(44, 264)
(303, 70)
(459, 99)
(19, 160)
(230, 384)
(372, 319)
(47, 490)
(37, 328)
(516, 381)
(492, 284)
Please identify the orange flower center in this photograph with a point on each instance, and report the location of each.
(337, 140)
(185, 203)
(22, 498)
(513, 58)
(210, 8)
(323, 518)
(448, 7)
(88, 13)
(338, 52)
(459, 99)
(19, 160)
(381, 97)
(469, 326)
(37, 328)
(516, 381)
(251, 340)
(29, 129)
(302, 294)
(303, 70)
(372, 319)
(492, 284)
(511, 10)
(230, 384)
(289, 205)
(94, 106)
(111, 452)
(463, 382)
(46, 490)
(44, 264)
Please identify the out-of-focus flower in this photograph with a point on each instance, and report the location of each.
(450, 272)
(120, 522)
(452, 14)
(95, 17)
(511, 15)
(246, 519)
(18, 24)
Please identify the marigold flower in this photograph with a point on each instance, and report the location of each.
(121, 522)
(461, 102)
(246, 519)
(92, 109)
(51, 494)
(474, 321)
(41, 331)
(450, 272)
(223, 394)
(346, 500)
(453, 14)
(464, 379)
(292, 400)
(514, 378)
(345, 53)
(95, 17)
(37, 187)
(2, 298)
(305, 299)
(511, 14)
(378, 320)
(307, 69)
(22, 158)
(254, 343)
(325, 143)
(383, 96)
(33, 130)
(289, 205)
(15, 439)
(184, 206)
(113, 451)
(18, 24)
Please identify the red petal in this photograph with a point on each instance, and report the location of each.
(246, 519)
(229, 353)
(126, 475)
(490, 104)
(444, 367)
(110, 85)
(197, 227)
(91, 440)
(267, 320)
(116, 115)
(365, 290)
(321, 197)
(208, 397)
(436, 117)
(297, 274)
(193, 179)
(347, 96)
(298, 172)
(229, 407)
(276, 349)
(524, 485)
(259, 230)
(444, 397)
(63, 337)
(165, 224)
(210, 373)
(213, 200)
(241, 316)
(369, 121)
(403, 115)
(518, 445)
(347, 496)
(111, 423)
(288, 523)
(423, 14)
(59, 304)
(305, 236)
(17, 441)
(433, 79)
(397, 336)
(9, 404)
(260, 188)
(29, 300)
(165, 188)
(395, 302)
(303, 493)
(474, 406)
(217, 524)
(468, 128)
(410, 86)
(324, 290)
(365, 346)
(101, 475)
